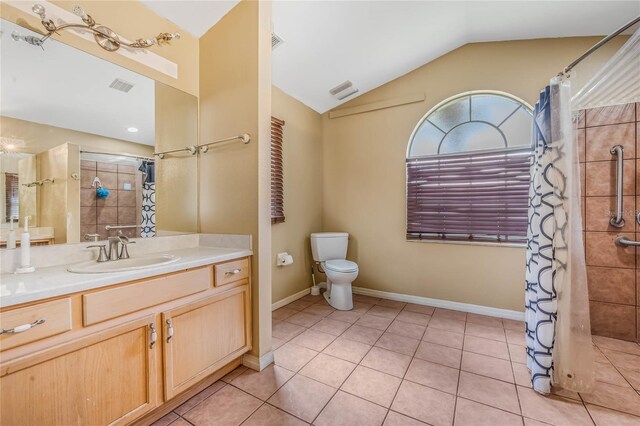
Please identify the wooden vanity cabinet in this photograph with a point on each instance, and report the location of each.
(91, 368)
(106, 378)
(200, 337)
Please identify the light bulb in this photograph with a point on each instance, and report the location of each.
(39, 10)
(79, 11)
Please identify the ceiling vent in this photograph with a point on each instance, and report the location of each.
(276, 40)
(121, 85)
(343, 90)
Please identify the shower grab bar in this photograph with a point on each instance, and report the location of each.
(109, 227)
(617, 220)
(625, 242)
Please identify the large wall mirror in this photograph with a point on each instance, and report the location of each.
(78, 136)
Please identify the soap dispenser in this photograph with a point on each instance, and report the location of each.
(25, 250)
(11, 236)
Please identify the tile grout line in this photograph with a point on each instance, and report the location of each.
(357, 364)
(515, 384)
(386, 330)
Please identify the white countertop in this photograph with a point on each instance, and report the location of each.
(54, 281)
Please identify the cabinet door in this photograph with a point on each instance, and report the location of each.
(106, 378)
(203, 336)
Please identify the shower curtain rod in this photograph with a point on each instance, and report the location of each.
(598, 45)
(138, 157)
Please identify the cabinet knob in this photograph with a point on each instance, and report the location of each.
(234, 272)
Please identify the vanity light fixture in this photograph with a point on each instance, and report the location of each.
(104, 36)
(132, 129)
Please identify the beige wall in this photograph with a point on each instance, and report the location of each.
(302, 160)
(364, 173)
(59, 202)
(176, 118)
(132, 20)
(41, 137)
(235, 99)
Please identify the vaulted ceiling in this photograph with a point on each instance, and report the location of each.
(373, 42)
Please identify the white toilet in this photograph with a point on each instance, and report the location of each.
(330, 250)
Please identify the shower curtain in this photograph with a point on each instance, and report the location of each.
(148, 220)
(558, 331)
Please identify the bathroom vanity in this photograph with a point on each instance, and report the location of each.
(122, 347)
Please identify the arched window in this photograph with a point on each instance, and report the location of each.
(468, 170)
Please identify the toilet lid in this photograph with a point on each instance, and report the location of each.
(341, 265)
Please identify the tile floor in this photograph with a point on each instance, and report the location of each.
(395, 363)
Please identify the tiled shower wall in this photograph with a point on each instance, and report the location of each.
(613, 272)
(121, 207)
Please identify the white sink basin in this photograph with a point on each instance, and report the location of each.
(131, 264)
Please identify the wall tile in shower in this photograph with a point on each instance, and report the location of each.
(613, 272)
(107, 216)
(613, 320)
(88, 215)
(87, 229)
(127, 216)
(602, 251)
(88, 165)
(600, 209)
(86, 178)
(612, 285)
(602, 139)
(125, 168)
(87, 197)
(110, 201)
(637, 176)
(611, 115)
(581, 116)
(126, 179)
(126, 198)
(582, 149)
(109, 180)
(601, 178)
(107, 167)
(638, 287)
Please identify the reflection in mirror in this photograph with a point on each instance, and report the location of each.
(77, 140)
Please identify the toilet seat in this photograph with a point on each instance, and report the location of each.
(341, 265)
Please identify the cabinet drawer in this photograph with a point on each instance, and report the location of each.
(227, 273)
(56, 316)
(103, 305)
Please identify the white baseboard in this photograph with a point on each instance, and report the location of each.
(255, 363)
(292, 298)
(446, 304)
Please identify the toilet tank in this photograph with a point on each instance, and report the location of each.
(329, 245)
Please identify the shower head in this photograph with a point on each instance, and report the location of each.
(32, 40)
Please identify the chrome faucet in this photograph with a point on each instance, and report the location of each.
(124, 251)
(115, 252)
(114, 242)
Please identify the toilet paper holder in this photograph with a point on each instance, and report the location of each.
(284, 259)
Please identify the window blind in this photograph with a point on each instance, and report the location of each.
(277, 179)
(11, 195)
(481, 196)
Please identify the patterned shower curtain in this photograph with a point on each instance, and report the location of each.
(148, 219)
(558, 334)
(540, 292)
